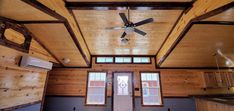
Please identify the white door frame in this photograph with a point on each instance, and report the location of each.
(133, 94)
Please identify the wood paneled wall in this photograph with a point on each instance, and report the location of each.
(72, 81)
(21, 86)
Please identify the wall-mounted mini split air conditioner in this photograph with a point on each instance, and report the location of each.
(28, 61)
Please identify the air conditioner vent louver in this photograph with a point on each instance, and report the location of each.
(28, 61)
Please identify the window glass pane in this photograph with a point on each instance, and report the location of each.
(96, 88)
(109, 59)
(141, 60)
(122, 85)
(145, 59)
(127, 60)
(151, 90)
(104, 59)
(136, 59)
(123, 59)
(118, 59)
(100, 59)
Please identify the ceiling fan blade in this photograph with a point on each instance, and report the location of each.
(144, 22)
(123, 35)
(139, 32)
(124, 18)
(114, 28)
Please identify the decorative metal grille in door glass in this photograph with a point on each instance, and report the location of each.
(122, 85)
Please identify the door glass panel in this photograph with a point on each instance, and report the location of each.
(122, 85)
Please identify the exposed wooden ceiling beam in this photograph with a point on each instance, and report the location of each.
(57, 9)
(201, 9)
(124, 5)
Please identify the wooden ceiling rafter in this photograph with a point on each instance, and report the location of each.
(59, 7)
(45, 9)
(81, 33)
(61, 19)
(170, 32)
(125, 5)
(215, 22)
(196, 16)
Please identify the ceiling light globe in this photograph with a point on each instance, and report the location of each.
(66, 60)
(124, 41)
(228, 62)
(129, 30)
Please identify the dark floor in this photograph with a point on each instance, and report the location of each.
(77, 103)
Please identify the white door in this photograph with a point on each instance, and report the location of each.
(123, 92)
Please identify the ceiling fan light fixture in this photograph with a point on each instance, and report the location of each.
(124, 41)
(228, 61)
(129, 30)
(130, 27)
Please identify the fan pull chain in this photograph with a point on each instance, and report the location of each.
(216, 61)
(128, 13)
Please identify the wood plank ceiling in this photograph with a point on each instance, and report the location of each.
(201, 42)
(194, 50)
(107, 42)
(20, 11)
(227, 15)
(56, 37)
(47, 29)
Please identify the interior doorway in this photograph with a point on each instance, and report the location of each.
(123, 92)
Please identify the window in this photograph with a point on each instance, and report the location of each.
(151, 89)
(96, 88)
(104, 60)
(141, 60)
(123, 59)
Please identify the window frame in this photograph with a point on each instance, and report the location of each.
(87, 84)
(161, 94)
(132, 58)
(113, 58)
(123, 62)
(150, 61)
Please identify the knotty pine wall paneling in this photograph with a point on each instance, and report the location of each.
(21, 86)
(175, 83)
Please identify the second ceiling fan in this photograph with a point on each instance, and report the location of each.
(130, 27)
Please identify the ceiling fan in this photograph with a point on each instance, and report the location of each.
(130, 27)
